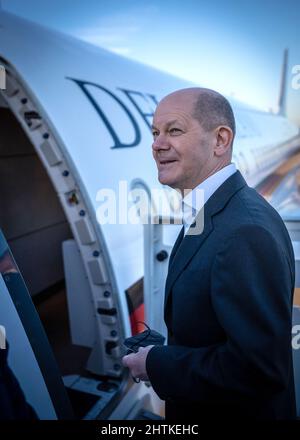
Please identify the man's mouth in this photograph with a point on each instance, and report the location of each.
(166, 162)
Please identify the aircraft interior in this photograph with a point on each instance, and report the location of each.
(35, 227)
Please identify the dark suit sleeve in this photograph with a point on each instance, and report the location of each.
(251, 292)
(13, 405)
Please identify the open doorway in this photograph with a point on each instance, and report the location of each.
(35, 226)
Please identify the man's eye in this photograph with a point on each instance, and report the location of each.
(175, 130)
(154, 133)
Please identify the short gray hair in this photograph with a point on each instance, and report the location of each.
(212, 109)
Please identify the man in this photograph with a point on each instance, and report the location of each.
(13, 404)
(229, 290)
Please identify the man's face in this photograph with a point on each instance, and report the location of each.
(182, 149)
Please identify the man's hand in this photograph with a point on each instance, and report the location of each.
(136, 362)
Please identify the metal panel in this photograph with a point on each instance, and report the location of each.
(51, 153)
(85, 232)
(80, 305)
(97, 271)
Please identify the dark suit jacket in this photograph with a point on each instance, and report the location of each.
(228, 310)
(13, 405)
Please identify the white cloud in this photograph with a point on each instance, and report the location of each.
(120, 50)
(119, 29)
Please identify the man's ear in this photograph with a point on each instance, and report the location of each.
(224, 138)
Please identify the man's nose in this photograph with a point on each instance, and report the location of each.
(160, 143)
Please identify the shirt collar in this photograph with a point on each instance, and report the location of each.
(195, 199)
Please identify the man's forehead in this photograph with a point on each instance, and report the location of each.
(169, 118)
(171, 114)
(181, 99)
(176, 102)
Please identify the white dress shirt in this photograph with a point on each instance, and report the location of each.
(195, 199)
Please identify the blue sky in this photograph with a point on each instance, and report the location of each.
(235, 47)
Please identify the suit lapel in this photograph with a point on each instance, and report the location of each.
(176, 245)
(184, 253)
(185, 248)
